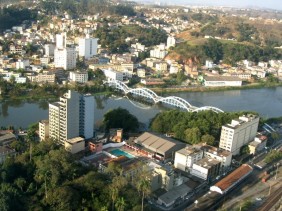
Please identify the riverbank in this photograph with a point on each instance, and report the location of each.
(44, 97)
(212, 89)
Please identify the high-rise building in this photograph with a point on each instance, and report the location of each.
(170, 42)
(86, 117)
(64, 57)
(239, 133)
(61, 40)
(71, 117)
(88, 47)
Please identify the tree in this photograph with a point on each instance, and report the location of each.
(245, 150)
(120, 204)
(20, 183)
(144, 186)
(193, 135)
(209, 139)
(120, 118)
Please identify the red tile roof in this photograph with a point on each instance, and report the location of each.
(229, 180)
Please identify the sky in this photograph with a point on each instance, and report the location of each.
(271, 4)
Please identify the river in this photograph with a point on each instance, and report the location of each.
(266, 101)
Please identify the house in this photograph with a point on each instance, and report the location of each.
(257, 145)
(75, 145)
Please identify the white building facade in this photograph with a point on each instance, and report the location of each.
(65, 58)
(239, 133)
(79, 76)
(88, 47)
(71, 117)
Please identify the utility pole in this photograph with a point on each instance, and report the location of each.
(277, 165)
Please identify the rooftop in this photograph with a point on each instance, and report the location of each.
(156, 142)
(215, 150)
(75, 140)
(189, 150)
(207, 163)
(230, 179)
(222, 78)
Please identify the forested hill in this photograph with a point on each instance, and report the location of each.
(13, 16)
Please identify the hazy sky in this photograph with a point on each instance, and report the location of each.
(273, 4)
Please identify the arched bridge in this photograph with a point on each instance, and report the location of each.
(149, 94)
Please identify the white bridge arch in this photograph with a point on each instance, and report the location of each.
(149, 94)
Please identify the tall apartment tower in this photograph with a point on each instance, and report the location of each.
(64, 57)
(61, 40)
(239, 133)
(88, 47)
(71, 117)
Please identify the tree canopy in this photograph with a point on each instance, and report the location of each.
(193, 127)
(53, 180)
(120, 118)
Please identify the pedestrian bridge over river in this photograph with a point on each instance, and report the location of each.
(149, 94)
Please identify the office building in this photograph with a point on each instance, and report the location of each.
(87, 47)
(239, 133)
(71, 117)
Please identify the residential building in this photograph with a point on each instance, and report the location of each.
(49, 50)
(222, 81)
(159, 51)
(71, 117)
(239, 133)
(79, 76)
(221, 155)
(141, 73)
(86, 116)
(170, 42)
(43, 130)
(186, 157)
(65, 58)
(258, 144)
(22, 64)
(206, 168)
(233, 179)
(75, 145)
(61, 40)
(88, 47)
(161, 67)
(112, 74)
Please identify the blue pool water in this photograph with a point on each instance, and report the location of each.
(119, 152)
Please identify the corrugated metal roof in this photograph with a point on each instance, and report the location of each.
(156, 143)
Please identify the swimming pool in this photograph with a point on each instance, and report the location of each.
(119, 152)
